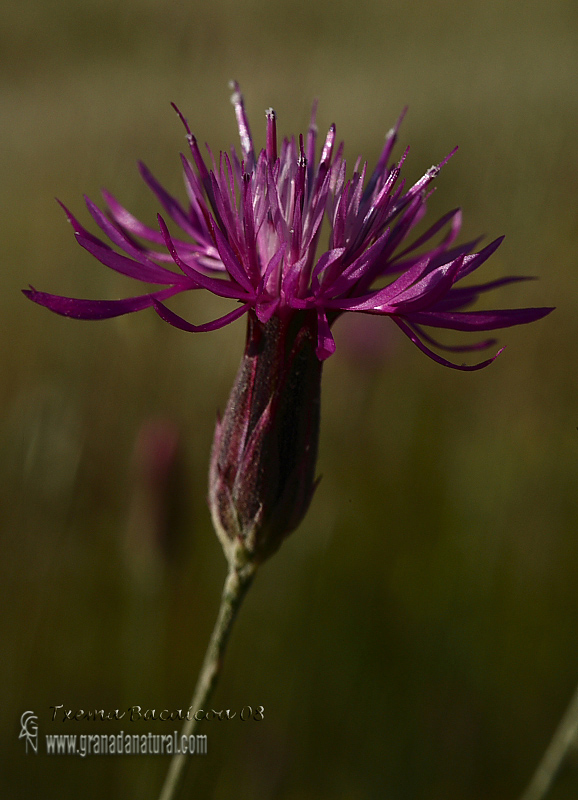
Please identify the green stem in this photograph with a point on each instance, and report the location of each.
(236, 585)
(555, 753)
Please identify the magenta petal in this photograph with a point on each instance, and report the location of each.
(443, 361)
(454, 348)
(129, 222)
(429, 289)
(148, 272)
(325, 340)
(243, 123)
(78, 228)
(271, 272)
(178, 322)
(168, 202)
(223, 288)
(265, 311)
(358, 270)
(382, 165)
(229, 259)
(114, 234)
(440, 256)
(458, 298)
(455, 217)
(381, 300)
(472, 262)
(478, 320)
(96, 309)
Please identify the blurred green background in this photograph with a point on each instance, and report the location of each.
(416, 638)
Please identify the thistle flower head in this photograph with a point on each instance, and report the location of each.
(250, 233)
(251, 229)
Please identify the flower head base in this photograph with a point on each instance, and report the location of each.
(251, 232)
(262, 474)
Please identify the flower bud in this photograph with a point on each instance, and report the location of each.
(262, 473)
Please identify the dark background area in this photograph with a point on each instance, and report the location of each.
(416, 637)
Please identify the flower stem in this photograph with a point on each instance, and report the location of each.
(556, 751)
(236, 585)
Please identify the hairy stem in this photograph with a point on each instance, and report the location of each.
(236, 585)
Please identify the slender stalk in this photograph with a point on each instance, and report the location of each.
(555, 753)
(236, 585)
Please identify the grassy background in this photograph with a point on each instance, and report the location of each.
(417, 636)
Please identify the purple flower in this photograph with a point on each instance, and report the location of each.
(251, 230)
(250, 233)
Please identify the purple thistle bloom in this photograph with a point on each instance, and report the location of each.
(251, 231)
